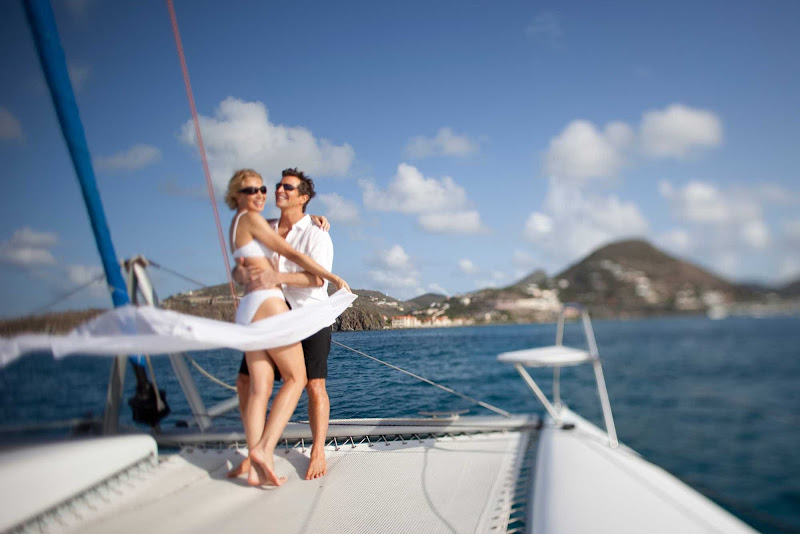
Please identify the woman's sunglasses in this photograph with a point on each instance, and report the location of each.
(254, 190)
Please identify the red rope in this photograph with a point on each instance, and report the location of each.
(201, 147)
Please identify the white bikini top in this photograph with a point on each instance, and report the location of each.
(253, 249)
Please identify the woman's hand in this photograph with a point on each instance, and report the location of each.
(321, 221)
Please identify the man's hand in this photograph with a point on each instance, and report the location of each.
(254, 277)
(240, 275)
(260, 278)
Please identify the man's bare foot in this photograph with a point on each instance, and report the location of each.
(317, 467)
(262, 470)
(240, 469)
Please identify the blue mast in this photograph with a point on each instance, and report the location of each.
(48, 46)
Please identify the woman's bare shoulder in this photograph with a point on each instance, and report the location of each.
(253, 217)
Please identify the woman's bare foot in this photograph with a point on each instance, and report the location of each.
(317, 467)
(240, 469)
(262, 470)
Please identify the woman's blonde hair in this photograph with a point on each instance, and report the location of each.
(235, 184)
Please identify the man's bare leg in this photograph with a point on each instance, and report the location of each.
(319, 413)
(243, 390)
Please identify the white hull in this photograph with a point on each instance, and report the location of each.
(583, 485)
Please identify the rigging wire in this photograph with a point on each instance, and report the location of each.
(68, 294)
(179, 275)
(423, 379)
(201, 146)
(209, 375)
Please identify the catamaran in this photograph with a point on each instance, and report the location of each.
(443, 472)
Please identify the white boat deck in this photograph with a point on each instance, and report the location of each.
(448, 484)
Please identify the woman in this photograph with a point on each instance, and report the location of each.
(254, 240)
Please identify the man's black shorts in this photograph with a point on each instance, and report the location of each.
(316, 348)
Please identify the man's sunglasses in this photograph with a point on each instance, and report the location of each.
(286, 187)
(254, 190)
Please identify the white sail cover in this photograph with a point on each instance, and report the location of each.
(148, 330)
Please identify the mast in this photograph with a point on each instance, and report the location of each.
(51, 56)
(48, 46)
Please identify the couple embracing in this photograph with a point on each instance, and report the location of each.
(294, 254)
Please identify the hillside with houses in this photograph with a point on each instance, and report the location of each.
(625, 279)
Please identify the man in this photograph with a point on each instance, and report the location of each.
(292, 195)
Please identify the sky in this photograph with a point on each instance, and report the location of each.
(453, 146)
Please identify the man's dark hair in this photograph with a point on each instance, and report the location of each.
(306, 186)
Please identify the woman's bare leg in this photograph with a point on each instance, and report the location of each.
(243, 391)
(290, 363)
(262, 378)
(292, 367)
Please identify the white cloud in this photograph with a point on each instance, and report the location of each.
(28, 248)
(411, 193)
(789, 264)
(173, 187)
(10, 127)
(581, 151)
(524, 262)
(677, 240)
(136, 157)
(731, 218)
(78, 75)
(678, 130)
(436, 288)
(445, 143)
(467, 267)
(571, 224)
(396, 259)
(546, 26)
(791, 230)
(789, 269)
(726, 264)
(339, 209)
(460, 222)
(698, 202)
(396, 272)
(28, 237)
(240, 135)
(725, 228)
(93, 275)
(538, 225)
(79, 8)
(755, 233)
(496, 279)
(775, 194)
(442, 204)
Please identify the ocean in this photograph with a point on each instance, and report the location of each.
(715, 403)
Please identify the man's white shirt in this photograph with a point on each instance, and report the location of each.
(309, 239)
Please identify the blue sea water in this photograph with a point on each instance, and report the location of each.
(716, 403)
